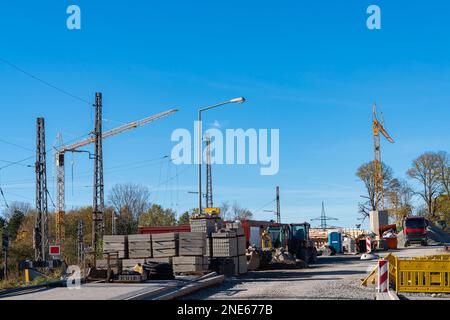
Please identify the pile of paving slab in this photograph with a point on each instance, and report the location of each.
(211, 245)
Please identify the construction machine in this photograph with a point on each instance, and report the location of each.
(283, 245)
(294, 239)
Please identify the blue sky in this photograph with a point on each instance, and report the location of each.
(310, 69)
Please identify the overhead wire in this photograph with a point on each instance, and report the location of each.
(48, 84)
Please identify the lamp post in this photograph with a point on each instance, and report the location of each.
(200, 151)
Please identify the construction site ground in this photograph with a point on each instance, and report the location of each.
(100, 291)
(332, 278)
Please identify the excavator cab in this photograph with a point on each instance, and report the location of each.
(279, 236)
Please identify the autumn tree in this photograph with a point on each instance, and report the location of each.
(399, 197)
(185, 218)
(366, 173)
(426, 171)
(157, 216)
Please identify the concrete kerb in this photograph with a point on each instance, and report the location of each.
(390, 295)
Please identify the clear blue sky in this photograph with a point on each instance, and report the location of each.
(310, 68)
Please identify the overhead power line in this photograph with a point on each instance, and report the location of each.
(48, 84)
(16, 145)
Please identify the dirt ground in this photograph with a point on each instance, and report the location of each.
(332, 278)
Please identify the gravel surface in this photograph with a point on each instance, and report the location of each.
(336, 278)
(333, 278)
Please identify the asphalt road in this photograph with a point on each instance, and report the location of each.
(333, 278)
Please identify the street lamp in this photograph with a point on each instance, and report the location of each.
(200, 151)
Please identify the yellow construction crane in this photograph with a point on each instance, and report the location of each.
(378, 126)
(60, 169)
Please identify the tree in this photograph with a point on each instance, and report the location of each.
(366, 173)
(130, 201)
(126, 223)
(426, 171)
(444, 171)
(225, 211)
(23, 207)
(399, 196)
(156, 216)
(133, 197)
(14, 224)
(185, 218)
(241, 213)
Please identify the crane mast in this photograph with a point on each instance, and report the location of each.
(60, 162)
(377, 128)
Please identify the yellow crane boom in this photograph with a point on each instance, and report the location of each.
(60, 167)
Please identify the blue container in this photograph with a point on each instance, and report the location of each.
(335, 241)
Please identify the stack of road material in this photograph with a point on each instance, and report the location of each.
(140, 246)
(241, 246)
(165, 245)
(192, 251)
(192, 244)
(229, 250)
(225, 244)
(206, 225)
(159, 271)
(112, 244)
(191, 264)
(114, 264)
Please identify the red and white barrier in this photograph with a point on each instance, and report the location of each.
(383, 275)
(369, 245)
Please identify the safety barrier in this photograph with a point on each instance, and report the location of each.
(423, 275)
(430, 274)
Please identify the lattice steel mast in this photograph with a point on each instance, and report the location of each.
(209, 185)
(41, 225)
(99, 195)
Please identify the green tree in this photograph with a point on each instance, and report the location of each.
(157, 216)
(185, 218)
(399, 197)
(14, 224)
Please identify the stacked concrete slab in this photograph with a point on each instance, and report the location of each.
(192, 244)
(115, 265)
(140, 246)
(192, 250)
(189, 264)
(206, 225)
(229, 250)
(165, 245)
(116, 244)
(241, 246)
